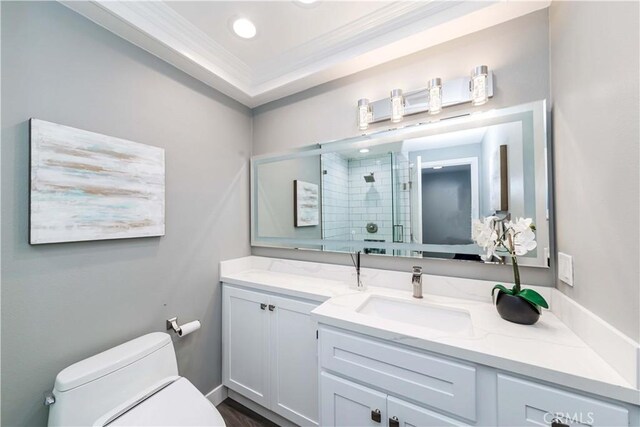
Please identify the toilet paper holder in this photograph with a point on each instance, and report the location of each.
(172, 324)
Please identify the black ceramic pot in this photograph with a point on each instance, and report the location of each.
(516, 310)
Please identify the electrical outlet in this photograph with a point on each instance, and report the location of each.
(565, 268)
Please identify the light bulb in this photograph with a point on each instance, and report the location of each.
(479, 85)
(364, 113)
(397, 105)
(435, 96)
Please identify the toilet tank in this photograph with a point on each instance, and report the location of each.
(91, 388)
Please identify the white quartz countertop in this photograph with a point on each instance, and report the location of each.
(547, 351)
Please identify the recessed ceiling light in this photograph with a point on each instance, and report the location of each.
(306, 3)
(437, 167)
(244, 28)
(364, 150)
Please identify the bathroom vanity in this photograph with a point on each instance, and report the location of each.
(300, 341)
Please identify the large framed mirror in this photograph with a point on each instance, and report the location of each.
(412, 192)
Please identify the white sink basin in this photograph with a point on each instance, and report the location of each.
(422, 314)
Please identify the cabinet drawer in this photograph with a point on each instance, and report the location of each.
(433, 381)
(408, 415)
(525, 403)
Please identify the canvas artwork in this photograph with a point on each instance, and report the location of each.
(306, 209)
(88, 186)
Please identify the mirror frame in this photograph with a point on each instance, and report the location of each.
(542, 156)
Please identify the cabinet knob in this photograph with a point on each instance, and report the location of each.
(272, 307)
(263, 306)
(557, 423)
(394, 422)
(376, 415)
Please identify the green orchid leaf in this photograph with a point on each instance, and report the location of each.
(501, 289)
(533, 297)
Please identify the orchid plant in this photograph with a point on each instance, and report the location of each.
(513, 238)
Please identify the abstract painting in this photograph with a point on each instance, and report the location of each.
(88, 186)
(306, 198)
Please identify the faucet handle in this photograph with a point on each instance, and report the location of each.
(417, 269)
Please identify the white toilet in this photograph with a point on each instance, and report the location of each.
(133, 384)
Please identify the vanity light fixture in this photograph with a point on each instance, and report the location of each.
(479, 85)
(364, 150)
(434, 89)
(244, 28)
(364, 113)
(397, 105)
(475, 88)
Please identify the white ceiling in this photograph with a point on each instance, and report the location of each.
(297, 46)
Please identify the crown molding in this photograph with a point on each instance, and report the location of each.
(388, 33)
(383, 26)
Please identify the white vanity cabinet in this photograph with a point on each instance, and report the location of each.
(366, 381)
(270, 352)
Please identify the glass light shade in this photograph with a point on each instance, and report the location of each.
(397, 105)
(364, 114)
(435, 95)
(479, 85)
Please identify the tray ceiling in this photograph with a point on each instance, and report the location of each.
(297, 46)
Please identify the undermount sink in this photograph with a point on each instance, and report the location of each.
(425, 315)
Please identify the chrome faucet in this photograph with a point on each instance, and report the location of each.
(416, 281)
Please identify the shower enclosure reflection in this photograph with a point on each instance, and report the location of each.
(412, 192)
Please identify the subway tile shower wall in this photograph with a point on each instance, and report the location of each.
(371, 203)
(350, 202)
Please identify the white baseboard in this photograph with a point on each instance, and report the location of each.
(217, 395)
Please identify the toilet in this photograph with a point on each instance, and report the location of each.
(133, 384)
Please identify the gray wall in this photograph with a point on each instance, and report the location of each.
(275, 197)
(518, 53)
(64, 302)
(594, 70)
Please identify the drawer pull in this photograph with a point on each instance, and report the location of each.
(272, 307)
(394, 422)
(557, 423)
(376, 415)
(263, 306)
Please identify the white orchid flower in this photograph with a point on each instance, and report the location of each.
(492, 235)
(485, 234)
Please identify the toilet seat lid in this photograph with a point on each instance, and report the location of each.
(179, 404)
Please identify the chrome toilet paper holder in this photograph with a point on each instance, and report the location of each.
(173, 324)
(184, 329)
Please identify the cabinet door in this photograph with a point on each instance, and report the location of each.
(294, 360)
(347, 404)
(245, 336)
(404, 414)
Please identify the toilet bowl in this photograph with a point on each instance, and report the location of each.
(133, 384)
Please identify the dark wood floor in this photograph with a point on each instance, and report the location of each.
(236, 415)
